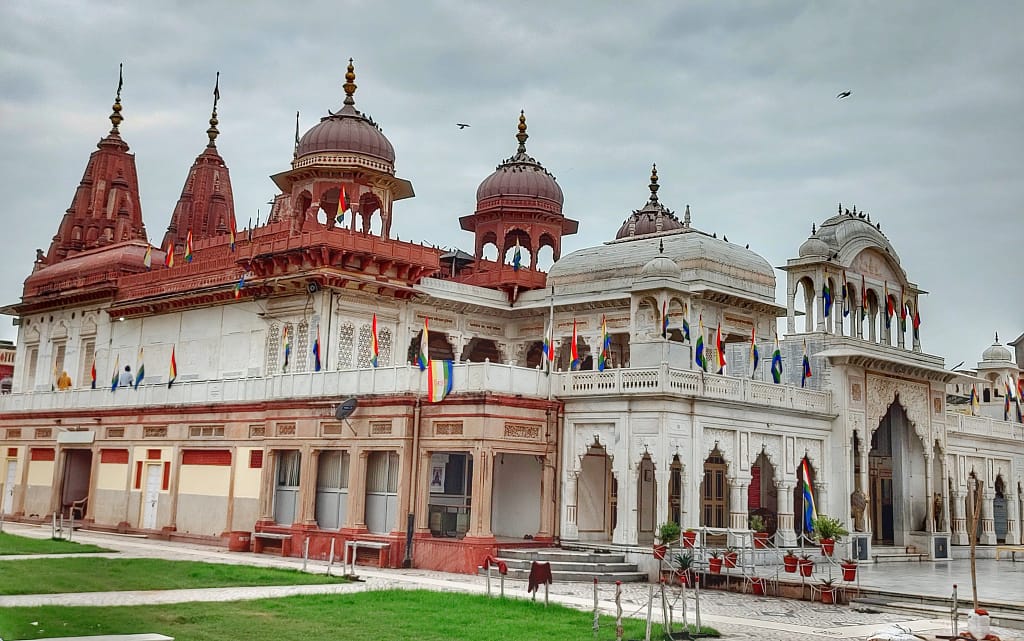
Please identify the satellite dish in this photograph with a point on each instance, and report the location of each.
(346, 408)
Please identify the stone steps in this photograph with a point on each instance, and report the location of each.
(1007, 615)
(570, 566)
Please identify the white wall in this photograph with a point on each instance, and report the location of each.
(515, 498)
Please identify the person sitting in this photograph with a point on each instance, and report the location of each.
(64, 382)
(126, 378)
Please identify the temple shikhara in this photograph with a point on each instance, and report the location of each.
(187, 384)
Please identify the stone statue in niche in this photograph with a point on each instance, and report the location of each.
(937, 404)
(858, 504)
(855, 393)
(939, 514)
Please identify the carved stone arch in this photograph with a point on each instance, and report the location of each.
(490, 238)
(547, 240)
(583, 446)
(369, 204)
(513, 234)
(771, 447)
(88, 325)
(725, 442)
(648, 316)
(643, 447)
(812, 449)
(32, 335)
(882, 392)
(59, 331)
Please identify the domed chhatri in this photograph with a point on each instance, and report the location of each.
(347, 131)
(653, 218)
(996, 352)
(521, 175)
(815, 247)
(661, 267)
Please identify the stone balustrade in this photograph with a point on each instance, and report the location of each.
(984, 426)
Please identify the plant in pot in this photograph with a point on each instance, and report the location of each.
(757, 584)
(828, 591)
(715, 562)
(805, 564)
(730, 557)
(689, 537)
(668, 532)
(683, 566)
(849, 567)
(789, 561)
(757, 524)
(828, 530)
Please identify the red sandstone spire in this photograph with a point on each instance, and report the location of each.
(206, 204)
(106, 207)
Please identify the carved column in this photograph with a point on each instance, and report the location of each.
(570, 529)
(356, 517)
(547, 498)
(790, 312)
(784, 534)
(959, 536)
(946, 518)
(738, 503)
(307, 488)
(988, 526)
(267, 474)
(865, 481)
(819, 302)
(929, 492)
(821, 497)
(422, 498)
(661, 495)
(1012, 536)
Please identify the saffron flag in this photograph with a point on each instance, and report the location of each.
(548, 348)
(606, 344)
(720, 350)
(699, 356)
(686, 323)
(810, 510)
(342, 206)
(423, 357)
(846, 297)
(286, 342)
(169, 256)
(116, 377)
(777, 362)
(975, 401)
(917, 325)
(140, 373)
(188, 247)
(374, 345)
(573, 349)
(826, 296)
(93, 372)
(316, 350)
(517, 257)
(903, 313)
(863, 299)
(439, 380)
(755, 357)
(172, 371)
(664, 319)
(239, 286)
(147, 260)
(231, 230)
(1006, 403)
(806, 367)
(888, 307)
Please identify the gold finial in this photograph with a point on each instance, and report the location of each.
(212, 132)
(350, 84)
(654, 183)
(115, 116)
(522, 135)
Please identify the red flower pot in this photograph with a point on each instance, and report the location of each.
(806, 567)
(760, 540)
(828, 595)
(790, 563)
(849, 571)
(730, 559)
(689, 538)
(659, 551)
(757, 584)
(828, 546)
(715, 565)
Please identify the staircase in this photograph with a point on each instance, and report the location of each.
(890, 554)
(570, 565)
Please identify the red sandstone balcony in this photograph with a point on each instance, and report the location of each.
(503, 277)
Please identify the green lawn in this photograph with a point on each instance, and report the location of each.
(379, 615)
(11, 544)
(71, 574)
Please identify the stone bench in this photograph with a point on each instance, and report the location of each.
(1012, 549)
(258, 539)
(383, 548)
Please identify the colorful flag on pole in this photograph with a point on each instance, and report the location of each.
(664, 319)
(606, 345)
(239, 286)
(826, 296)
(846, 297)
(374, 345)
(231, 230)
(698, 353)
(573, 349)
(975, 401)
(140, 373)
(316, 350)
(1006, 402)
(172, 371)
(423, 357)
(903, 313)
(342, 206)
(548, 347)
(117, 374)
(169, 256)
(863, 299)
(777, 362)
(889, 311)
(93, 372)
(286, 342)
(917, 325)
(686, 323)
(188, 247)
(1020, 389)
(439, 380)
(810, 510)
(147, 260)
(517, 257)
(720, 350)
(806, 367)
(755, 357)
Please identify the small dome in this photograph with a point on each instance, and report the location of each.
(661, 267)
(653, 218)
(520, 175)
(996, 352)
(813, 246)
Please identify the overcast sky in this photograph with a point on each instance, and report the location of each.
(735, 102)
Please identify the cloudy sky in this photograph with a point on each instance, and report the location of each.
(735, 102)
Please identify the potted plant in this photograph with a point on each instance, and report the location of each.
(789, 561)
(730, 557)
(667, 533)
(828, 530)
(828, 591)
(806, 565)
(715, 562)
(757, 584)
(683, 567)
(689, 537)
(849, 567)
(757, 524)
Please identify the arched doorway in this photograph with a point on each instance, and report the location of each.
(440, 348)
(762, 497)
(675, 491)
(596, 494)
(999, 512)
(481, 349)
(714, 492)
(646, 500)
(896, 473)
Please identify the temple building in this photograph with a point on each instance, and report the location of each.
(583, 406)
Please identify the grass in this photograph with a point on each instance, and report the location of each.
(70, 574)
(11, 544)
(388, 614)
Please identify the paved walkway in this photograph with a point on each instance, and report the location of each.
(740, 616)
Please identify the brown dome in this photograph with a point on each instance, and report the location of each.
(520, 175)
(653, 218)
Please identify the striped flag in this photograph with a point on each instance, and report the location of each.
(720, 350)
(975, 401)
(188, 247)
(806, 367)
(374, 345)
(664, 319)
(117, 374)
(172, 371)
(231, 230)
(863, 299)
(147, 260)
(239, 286)
(548, 347)
(699, 356)
(777, 362)
(846, 297)
(810, 510)
(517, 257)
(93, 372)
(140, 372)
(755, 357)
(439, 380)
(606, 345)
(889, 311)
(903, 313)
(286, 342)
(316, 350)
(423, 357)
(686, 323)
(826, 296)
(342, 206)
(573, 349)
(169, 256)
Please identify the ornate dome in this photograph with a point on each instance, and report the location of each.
(848, 233)
(347, 130)
(996, 352)
(520, 175)
(814, 246)
(653, 218)
(661, 267)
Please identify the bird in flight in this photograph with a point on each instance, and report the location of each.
(461, 125)
(844, 94)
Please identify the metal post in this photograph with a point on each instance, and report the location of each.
(618, 610)
(664, 611)
(488, 568)
(330, 560)
(501, 584)
(53, 526)
(545, 595)
(696, 602)
(597, 625)
(650, 605)
(686, 624)
(305, 553)
(955, 614)
(71, 530)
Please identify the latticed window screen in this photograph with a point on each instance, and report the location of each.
(384, 343)
(274, 349)
(346, 335)
(301, 351)
(365, 346)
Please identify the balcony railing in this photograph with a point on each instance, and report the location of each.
(984, 426)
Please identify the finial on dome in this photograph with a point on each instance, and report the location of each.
(654, 183)
(350, 84)
(295, 150)
(213, 132)
(840, 208)
(814, 229)
(686, 216)
(997, 338)
(661, 246)
(115, 116)
(522, 135)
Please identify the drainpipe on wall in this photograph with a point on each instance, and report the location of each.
(410, 520)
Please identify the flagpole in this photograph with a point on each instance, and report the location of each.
(551, 328)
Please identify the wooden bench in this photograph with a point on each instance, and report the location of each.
(383, 548)
(259, 537)
(1012, 549)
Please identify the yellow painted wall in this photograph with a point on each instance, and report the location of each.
(112, 476)
(205, 480)
(40, 472)
(247, 480)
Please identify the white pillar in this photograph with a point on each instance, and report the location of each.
(959, 536)
(738, 503)
(784, 534)
(1012, 532)
(988, 526)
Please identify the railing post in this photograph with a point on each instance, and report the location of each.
(663, 378)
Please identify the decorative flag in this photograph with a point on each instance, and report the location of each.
(93, 372)
(517, 257)
(686, 323)
(248, 230)
(316, 350)
(239, 286)
(169, 257)
(755, 357)
(573, 349)
(699, 356)
(374, 345)
(806, 367)
(606, 344)
(423, 357)
(975, 402)
(719, 350)
(147, 260)
(863, 299)
(810, 511)
(172, 372)
(826, 296)
(777, 362)
(188, 247)
(439, 380)
(549, 349)
(903, 313)
(342, 206)
(846, 297)
(1020, 389)
(117, 374)
(140, 373)
(889, 311)
(231, 230)
(664, 319)
(1006, 402)
(286, 340)
(917, 325)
